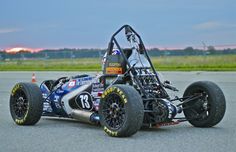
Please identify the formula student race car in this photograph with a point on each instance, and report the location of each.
(127, 96)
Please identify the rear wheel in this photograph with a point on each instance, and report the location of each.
(26, 104)
(207, 110)
(121, 111)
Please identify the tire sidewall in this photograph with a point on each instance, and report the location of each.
(129, 111)
(35, 103)
(215, 97)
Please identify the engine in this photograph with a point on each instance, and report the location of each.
(158, 111)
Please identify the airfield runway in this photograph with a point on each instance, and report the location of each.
(64, 135)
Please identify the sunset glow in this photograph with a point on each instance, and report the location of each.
(18, 49)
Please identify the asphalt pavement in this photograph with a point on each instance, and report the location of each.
(62, 135)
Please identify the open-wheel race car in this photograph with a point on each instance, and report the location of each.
(127, 96)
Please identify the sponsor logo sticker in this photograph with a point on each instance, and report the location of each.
(114, 70)
(72, 83)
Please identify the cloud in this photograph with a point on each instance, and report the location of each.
(213, 25)
(9, 30)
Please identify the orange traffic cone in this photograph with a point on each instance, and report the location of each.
(33, 78)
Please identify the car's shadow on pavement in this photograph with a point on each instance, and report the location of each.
(176, 129)
(51, 121)
(182, 128)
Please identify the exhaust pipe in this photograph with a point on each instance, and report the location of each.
(85, 116)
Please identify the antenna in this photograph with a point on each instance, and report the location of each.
(204, 46)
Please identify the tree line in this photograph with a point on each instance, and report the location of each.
(95, 53)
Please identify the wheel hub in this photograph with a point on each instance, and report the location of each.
(113, 111)
(20, 106)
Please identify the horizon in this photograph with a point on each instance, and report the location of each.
(33, 50)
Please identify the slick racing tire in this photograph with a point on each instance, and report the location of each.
(208, 110)
(121, 111)
(26, 104)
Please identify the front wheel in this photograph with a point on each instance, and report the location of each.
(26, 104)
(121, 111)
(209, 109)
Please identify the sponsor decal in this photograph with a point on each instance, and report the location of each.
(44, 95)
(71, 84)
(56, 101)
(114, 70)
(110, 132)
(47, 107)
(15, 89)
(97, 87)
(117, 90)
(19, 121)
(83, 81)
(60, 91)
(114, 64)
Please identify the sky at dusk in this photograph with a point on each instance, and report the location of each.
(90, 23)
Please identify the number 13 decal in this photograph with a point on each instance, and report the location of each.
(84, 101)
